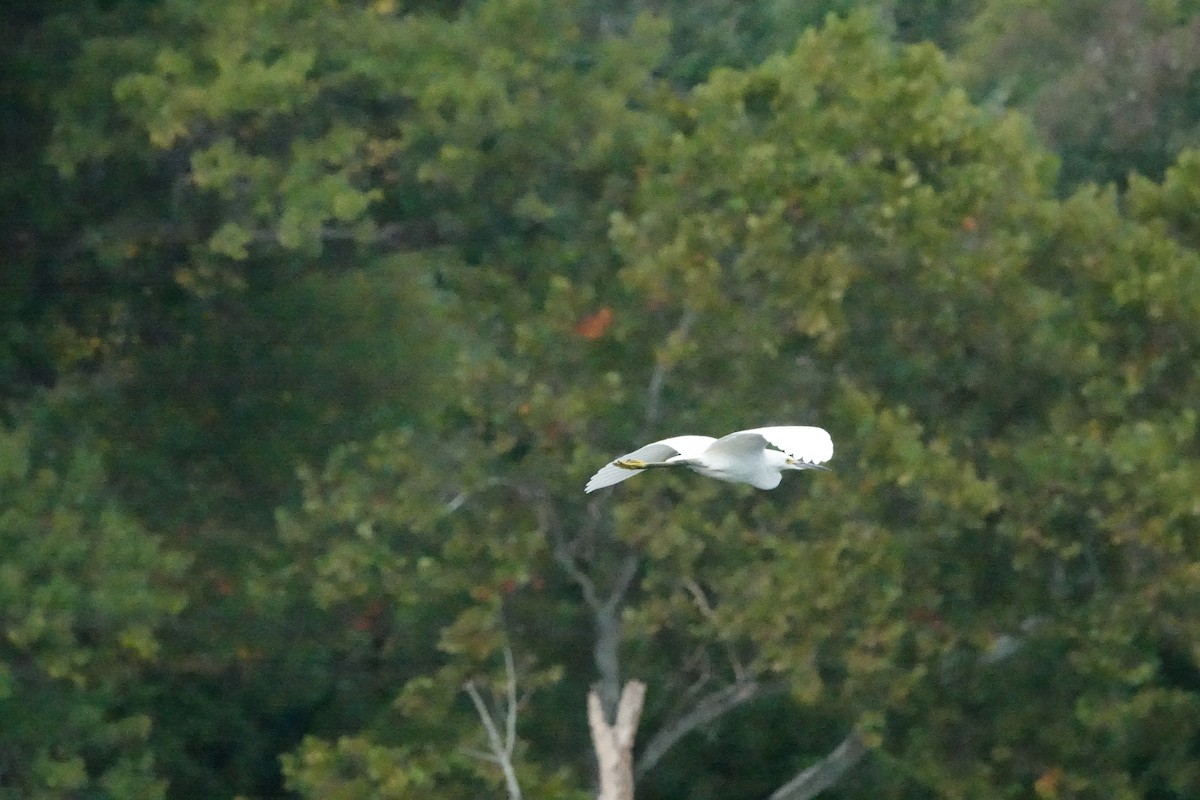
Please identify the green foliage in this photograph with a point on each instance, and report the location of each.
(278, 375)
(353, 297)
(939, 21)
(844, 210)
(85, 591)
(454, 106)
(375, 548)
(1111, 85)
(926, 261)
(1170, 208)
(812, 213)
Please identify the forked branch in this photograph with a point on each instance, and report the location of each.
(502, 745)
(614, 743)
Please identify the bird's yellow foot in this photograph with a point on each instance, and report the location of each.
(630, 463)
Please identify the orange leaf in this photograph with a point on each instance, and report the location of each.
(593, 326)
(1048, 784)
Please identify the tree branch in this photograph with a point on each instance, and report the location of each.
(658, 377)
(614, 743)
(825, 773)
(706, 609)
(709, 708)
(502, 747)
(397, 235)
(606, 612)
(510, 728)
(607, 651)
(587, 588)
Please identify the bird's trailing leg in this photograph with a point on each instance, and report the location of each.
(637, 463)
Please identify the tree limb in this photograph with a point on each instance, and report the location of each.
(502, 747)
(396, 235)
(709, 708)
(606, 611)
(565, 559)
(607, 650)
(510, 728)
(706, 609)
(825, 773)
(658, 377)
(614, 743)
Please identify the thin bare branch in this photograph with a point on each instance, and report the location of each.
(588, 589)
(707, 709)
(706, 610)
(658, 377)
(629, 568)
(502, 747)
(481, 755)
(605, 611)
(510, 731)
(825, 773)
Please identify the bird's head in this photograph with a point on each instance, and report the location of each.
(796, 463)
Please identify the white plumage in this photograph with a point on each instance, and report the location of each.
(741, 457)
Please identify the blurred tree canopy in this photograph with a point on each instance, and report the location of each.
(1111, 84)
(316, 316)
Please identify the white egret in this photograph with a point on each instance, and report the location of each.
(741, 457)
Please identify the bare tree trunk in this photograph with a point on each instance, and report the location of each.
(614, 743)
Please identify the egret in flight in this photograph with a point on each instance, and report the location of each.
(741, 457)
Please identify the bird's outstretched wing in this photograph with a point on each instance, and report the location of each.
(802, 442)
(738, 445)
(653, 453)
